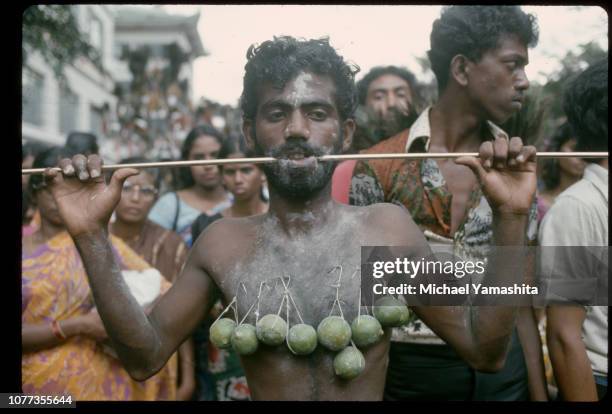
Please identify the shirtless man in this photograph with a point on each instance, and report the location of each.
(298, 101)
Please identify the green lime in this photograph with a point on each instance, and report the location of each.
(366, 330)
(349, 363)
(391, 312)
(244, 339)
(302, 339)
(334, 333)
(271, 330)
(221, 333)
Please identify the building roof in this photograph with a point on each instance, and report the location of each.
(153, 18)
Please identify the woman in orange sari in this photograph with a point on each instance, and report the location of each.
(62, 335)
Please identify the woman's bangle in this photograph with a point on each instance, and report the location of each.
(57, 330)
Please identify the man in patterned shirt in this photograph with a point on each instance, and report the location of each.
(478, 55)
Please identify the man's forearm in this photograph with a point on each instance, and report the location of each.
(529, 336)
(572, 370)
(133, 336)
(492, 325)
(186, 370)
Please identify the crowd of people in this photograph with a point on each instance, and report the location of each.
(123, 273)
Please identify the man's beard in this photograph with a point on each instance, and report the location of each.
(372, 128)
(298, 183)
(394, 122)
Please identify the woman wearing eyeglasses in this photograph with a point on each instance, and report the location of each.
(161, 248)
(62, 335)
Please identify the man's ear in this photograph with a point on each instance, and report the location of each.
(247, 132)
(459, 69)
(348, 127)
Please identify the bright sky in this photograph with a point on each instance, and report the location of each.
(366, 35)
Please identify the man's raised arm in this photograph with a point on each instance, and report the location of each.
(481, 334)
(143, 342)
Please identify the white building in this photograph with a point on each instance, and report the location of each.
(49, 113)
(155, 115)
(137, 26)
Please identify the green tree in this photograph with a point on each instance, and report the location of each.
(52, 31)
(551, 93)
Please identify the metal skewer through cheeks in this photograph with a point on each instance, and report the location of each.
(265, 160)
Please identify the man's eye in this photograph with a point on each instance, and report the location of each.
(246, 170)
(276, 115)
(318, 115)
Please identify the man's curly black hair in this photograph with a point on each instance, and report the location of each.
(280, 60)
(473, 30)
(377, 72)
(585, 103)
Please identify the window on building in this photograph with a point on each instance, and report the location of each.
(96, 119)
(32, 96)
(68, 111)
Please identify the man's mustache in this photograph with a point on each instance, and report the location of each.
(295, 147)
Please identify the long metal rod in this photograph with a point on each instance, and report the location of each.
(264, 160)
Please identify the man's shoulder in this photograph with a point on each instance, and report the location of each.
(229, 228)
(395, 144)
(225, 240)
(579, 215)
(582, 194)
(382, 215)
(388, 212)
(375, 211)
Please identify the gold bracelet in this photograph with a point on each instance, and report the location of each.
(57, 330)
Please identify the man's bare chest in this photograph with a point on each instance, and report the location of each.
(303, 279)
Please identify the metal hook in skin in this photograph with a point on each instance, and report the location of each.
(337, 284)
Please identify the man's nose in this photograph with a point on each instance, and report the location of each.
(522, 82)
(297, 126)
(391, 101)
